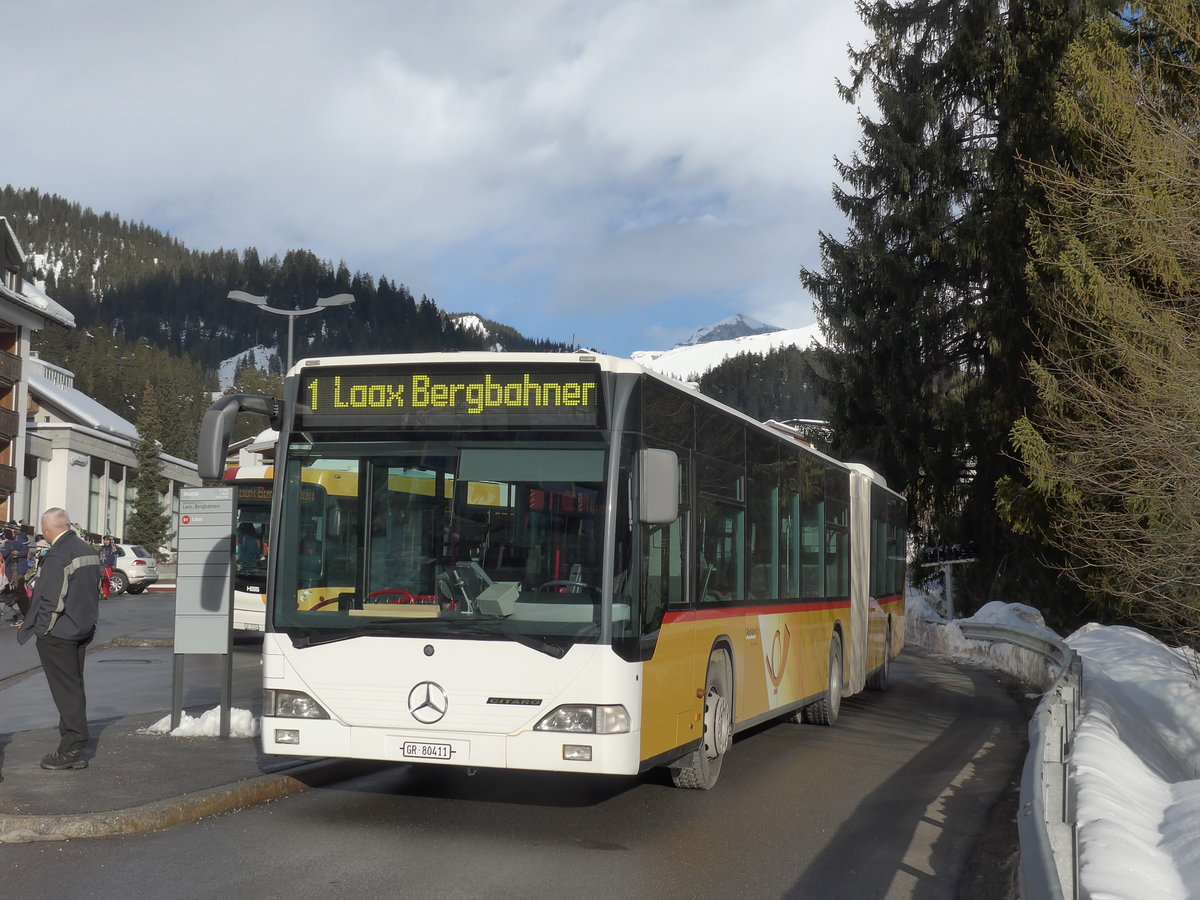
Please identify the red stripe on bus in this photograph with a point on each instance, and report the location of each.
(730, 612)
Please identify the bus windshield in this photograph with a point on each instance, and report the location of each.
(471, 539)
(252, 535)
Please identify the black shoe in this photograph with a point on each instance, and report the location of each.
(73, 759)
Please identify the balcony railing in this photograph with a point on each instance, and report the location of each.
(10, 424)
(8, 480)
(10, 367)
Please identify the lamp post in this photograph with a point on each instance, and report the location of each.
(261, 303)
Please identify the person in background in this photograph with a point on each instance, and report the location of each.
(108, 559)
(62, 615)
(15, 550)
(249, 547)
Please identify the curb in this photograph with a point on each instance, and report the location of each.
(20, 829)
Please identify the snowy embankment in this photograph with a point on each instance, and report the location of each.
(1135, 763)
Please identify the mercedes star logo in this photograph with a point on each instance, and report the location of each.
(427, 702)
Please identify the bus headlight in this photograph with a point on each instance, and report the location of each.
(292, 705)
(581, 718)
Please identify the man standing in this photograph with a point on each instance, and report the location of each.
(62, 614)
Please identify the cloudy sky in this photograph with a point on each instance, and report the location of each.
(620, 171)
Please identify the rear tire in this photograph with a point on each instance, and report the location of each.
(703, 766)
(825, 711)
(135, 589)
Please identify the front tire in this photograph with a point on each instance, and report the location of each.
(703, 766)
(118, 584)
(825, 711)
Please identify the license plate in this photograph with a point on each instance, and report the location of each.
(417, 750)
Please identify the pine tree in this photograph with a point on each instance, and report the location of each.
(149, 523)
(924, 304)
(1112, 450)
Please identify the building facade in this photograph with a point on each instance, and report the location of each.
(79, 449)
(23, 310)
(59, 447)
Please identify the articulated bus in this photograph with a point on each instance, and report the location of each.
(557, 562)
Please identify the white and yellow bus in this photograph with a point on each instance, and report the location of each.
(559, 562)
(325, 492)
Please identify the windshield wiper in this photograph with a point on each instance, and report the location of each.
(534, 642)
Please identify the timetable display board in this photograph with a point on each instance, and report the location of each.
(502, 396)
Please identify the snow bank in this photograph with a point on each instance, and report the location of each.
(1135, 761)
(927, 627)
(1136, 764)
(241, 724)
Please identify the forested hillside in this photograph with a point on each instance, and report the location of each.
(780, 385)
(151, 311)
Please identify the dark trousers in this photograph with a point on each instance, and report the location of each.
(62, 661)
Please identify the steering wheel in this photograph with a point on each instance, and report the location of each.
(399, 595)
(578, 585)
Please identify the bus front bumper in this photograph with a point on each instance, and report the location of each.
(610, 754)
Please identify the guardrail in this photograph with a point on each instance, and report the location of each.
(1049, 868)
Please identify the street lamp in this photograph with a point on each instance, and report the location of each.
(261, 303)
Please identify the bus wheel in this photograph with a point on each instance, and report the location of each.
(704, 765)
(882, 676)
(825, 710)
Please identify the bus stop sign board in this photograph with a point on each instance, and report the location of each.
(204, 577)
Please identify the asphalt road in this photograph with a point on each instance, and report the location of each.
(133, 647)
(910, 795)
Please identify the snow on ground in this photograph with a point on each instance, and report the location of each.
(471, 322)
(242, 724)
(1136, 757)
(259, 357)
(1137, 766)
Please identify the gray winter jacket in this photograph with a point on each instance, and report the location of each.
(66, 597)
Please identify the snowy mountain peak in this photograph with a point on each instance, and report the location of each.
(728, 329)
(687, 361)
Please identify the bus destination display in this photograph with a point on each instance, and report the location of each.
(513, 397)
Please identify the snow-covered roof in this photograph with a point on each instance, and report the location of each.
(48, 384)
(30, 296)
(39, 301)
(13, 255)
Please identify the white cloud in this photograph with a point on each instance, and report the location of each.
(518, 155)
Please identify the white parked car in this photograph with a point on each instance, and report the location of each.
(136, 569)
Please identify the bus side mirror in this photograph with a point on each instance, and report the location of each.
(217, 428)
(658, 490)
